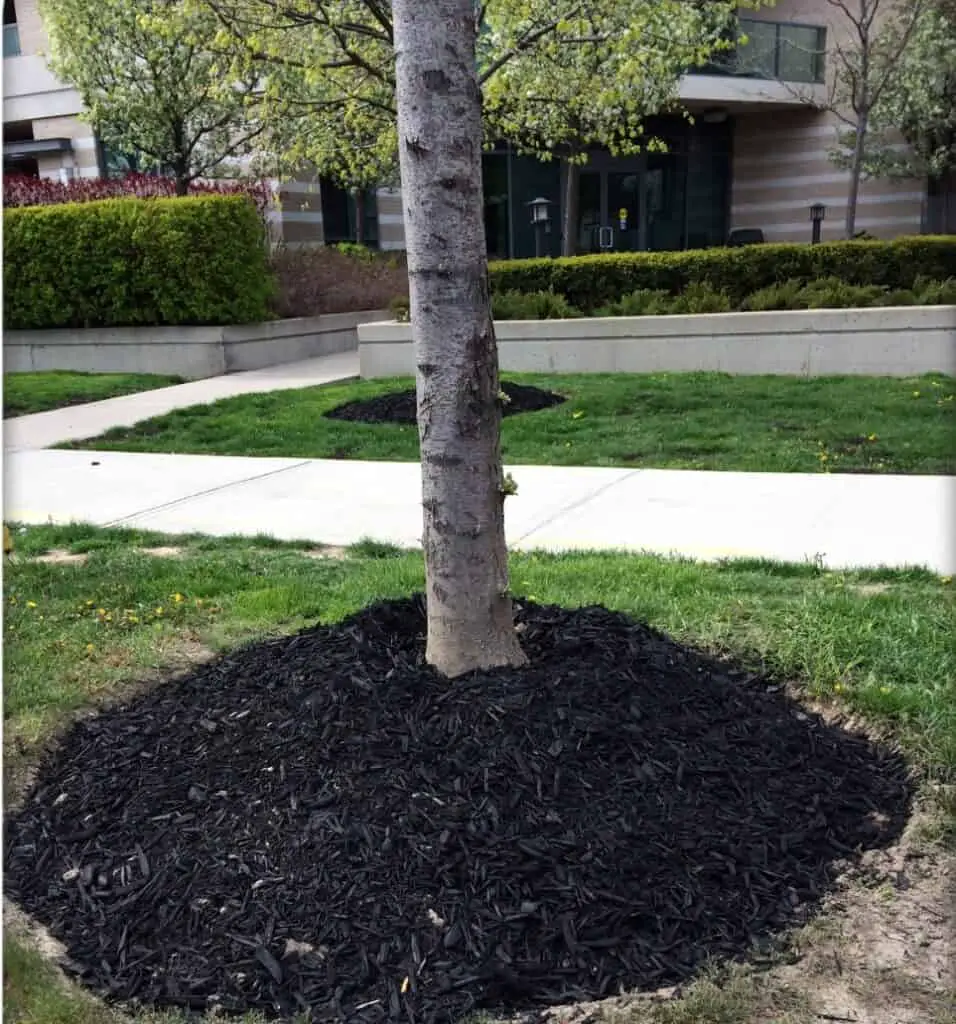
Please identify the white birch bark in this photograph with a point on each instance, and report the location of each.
(470, 624)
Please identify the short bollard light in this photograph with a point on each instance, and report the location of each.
(818, 212)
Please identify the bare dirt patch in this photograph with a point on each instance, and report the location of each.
(60, 556)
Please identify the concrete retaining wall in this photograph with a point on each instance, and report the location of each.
(190, 352)
(893, 342)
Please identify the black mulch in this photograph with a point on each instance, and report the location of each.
(399, 406)
(318, 822)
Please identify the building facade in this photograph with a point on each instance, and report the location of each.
(753, 158)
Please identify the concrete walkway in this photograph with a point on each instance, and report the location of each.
(843, 520)
(77, 422)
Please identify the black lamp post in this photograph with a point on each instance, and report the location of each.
(540, 221)
(817, 213)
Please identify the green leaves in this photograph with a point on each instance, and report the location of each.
(911, 71)
(557, 75)
(148, 74)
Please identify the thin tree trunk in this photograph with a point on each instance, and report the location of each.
(180, 160)
(569, 242)
(856, 172)
(470, 623)
(359, 196)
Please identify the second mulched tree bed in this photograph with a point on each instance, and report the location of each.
(400, 406)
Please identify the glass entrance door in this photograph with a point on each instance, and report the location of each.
(609, 211)
(623, 212)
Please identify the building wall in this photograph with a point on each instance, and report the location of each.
(781, 163)
(53, 107)
(780, 167)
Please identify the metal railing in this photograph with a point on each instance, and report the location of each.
(11, 41)
(776, 50)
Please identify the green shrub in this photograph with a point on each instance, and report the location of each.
(701, 297)
(590, 282)
(127, 262)
(541, 305)
(785, 295)
(832, 293)
(356, 251)
(641, 302)
(899, 297)
(935, 293)
(400, 308)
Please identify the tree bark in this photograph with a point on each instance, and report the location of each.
(856, 171)
(470, 622)
(180, 160)
(359, 196)
(569, 240)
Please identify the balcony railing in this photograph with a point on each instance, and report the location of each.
(11, 41)
(775, 50)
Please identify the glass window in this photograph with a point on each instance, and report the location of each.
(533, 179)
(494, 173)
(11, 41)
(801, 53)
(708, 185)
(339, 220)
(757, 57)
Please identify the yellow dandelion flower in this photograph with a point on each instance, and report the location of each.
(871, 437)
(838, 687)
(178, 598)
(577, 414)
(31, 604)
(133, 618)
(916, 394)
(89, 648)
(158, 610)
(884, 689)
(89, 604)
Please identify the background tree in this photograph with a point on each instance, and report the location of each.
(918, 102)
(868, 42)
(150, 83)
(556, 76)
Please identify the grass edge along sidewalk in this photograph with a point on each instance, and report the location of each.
(88, 610)
(703, 421)
(27, 393)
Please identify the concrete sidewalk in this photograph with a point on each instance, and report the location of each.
(843, 520)
(77, 422)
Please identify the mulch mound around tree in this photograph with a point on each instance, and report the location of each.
(319, 823)
(400, 407)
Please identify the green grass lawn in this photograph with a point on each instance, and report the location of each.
(677, 421)
(24, 393)
(877, 644)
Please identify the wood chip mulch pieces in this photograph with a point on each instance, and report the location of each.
(319, 823)
(400, 406)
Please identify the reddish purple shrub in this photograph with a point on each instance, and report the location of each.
(20, 190)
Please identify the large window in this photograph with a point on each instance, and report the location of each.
(11, 34)
(339, 215)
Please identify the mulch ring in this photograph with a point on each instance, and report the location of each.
(319, 823)
(400, 406)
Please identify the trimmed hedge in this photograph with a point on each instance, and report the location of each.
(588, 282)
(130, 262)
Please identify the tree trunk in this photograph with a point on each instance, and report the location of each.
(569, 241)
(856, 172)
(359, 197)
(180, 160)
(470, 624)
